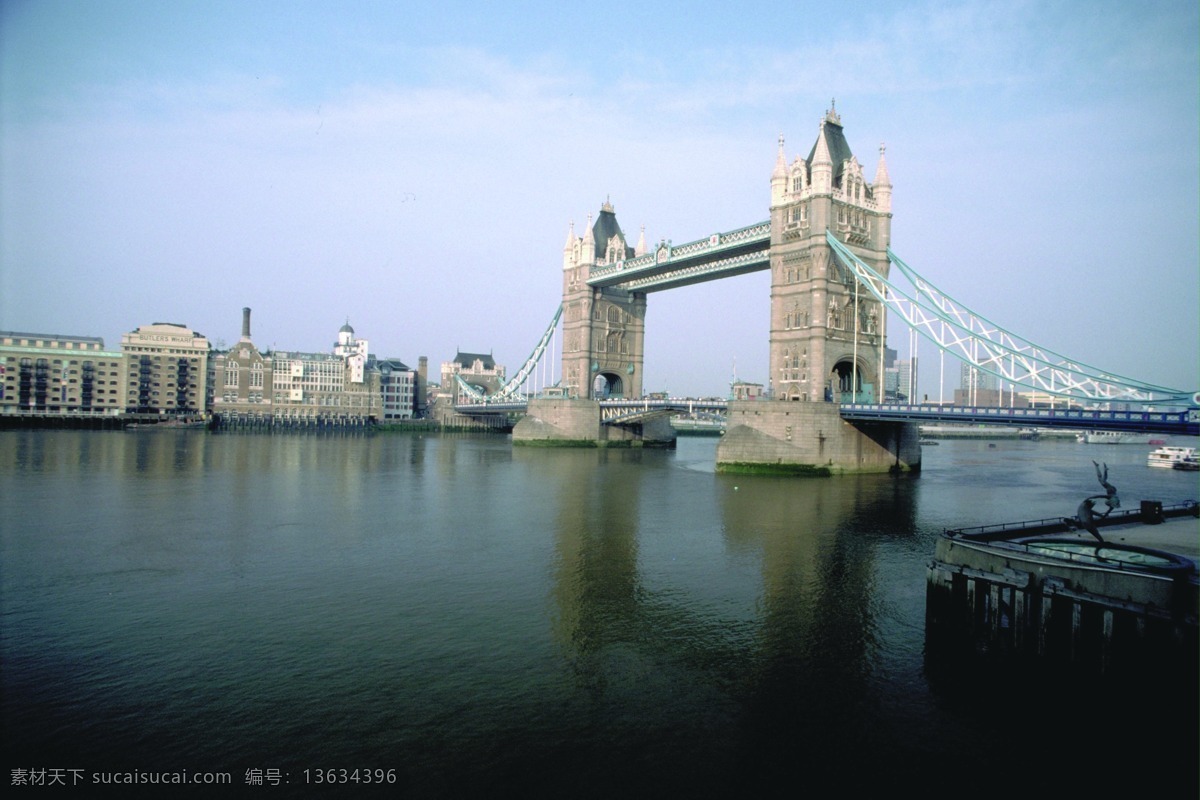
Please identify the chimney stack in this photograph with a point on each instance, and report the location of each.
(245, 324)
(419, 400)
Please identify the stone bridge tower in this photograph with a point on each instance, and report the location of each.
(826, 342)
(603, 328)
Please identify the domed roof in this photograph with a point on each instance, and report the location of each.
(346, 328)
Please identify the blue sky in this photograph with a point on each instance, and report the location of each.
(414, 167)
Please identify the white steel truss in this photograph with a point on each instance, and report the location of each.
(512, 388)
(958, 330)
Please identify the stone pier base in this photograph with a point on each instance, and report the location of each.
(812, 439)
(576, 423)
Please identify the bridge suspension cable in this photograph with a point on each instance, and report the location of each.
(512, 388)
(958, 330)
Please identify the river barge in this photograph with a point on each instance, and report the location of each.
(1049, 595)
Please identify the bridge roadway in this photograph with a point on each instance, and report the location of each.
(1185, 422)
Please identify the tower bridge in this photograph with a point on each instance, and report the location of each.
(827, 246)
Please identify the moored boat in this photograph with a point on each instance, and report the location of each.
(1114, 437)
(1169, 455)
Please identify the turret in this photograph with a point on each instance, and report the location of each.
(822, 164)
(588, 254)
(882, 187)
(569, 248)
(779, 177)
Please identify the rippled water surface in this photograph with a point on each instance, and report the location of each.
(480, 618)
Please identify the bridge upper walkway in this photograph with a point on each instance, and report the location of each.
(721, 255)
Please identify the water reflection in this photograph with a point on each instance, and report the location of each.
(481, 617)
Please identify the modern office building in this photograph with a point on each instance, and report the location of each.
(906, 380)
(398, 388)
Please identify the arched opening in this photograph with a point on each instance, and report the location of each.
(848, 386)
(606, 385)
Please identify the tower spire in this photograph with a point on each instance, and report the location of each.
(882, 188)
(822, 162)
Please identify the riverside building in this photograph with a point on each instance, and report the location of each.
(292, 388)
(166, 370)
(479, 370)
(49, 374)
(398, 389)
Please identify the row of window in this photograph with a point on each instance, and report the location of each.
(59, 362)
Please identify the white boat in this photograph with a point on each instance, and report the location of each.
(1170, 455)
(1114, 437)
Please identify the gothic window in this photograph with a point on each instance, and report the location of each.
(787, 321)
(614, 314)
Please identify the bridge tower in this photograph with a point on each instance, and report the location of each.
(603, 328)
(826, 339)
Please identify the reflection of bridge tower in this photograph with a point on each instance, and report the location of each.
(603, 327)
(824, 334)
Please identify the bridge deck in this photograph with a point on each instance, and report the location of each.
(1184, 422)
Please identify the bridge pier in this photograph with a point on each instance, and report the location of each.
(576, 423)
(812, 439)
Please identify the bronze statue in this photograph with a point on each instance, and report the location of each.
(1085, 516)
(1111, 500)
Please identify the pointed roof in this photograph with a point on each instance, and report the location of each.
(605, 228)
(588, 237)
(881, 173)
(469, 359)
(780, 162)
(831, 147)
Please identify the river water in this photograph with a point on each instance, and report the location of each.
(461, 617)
